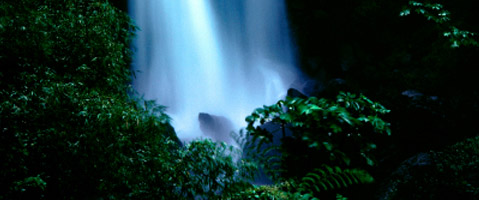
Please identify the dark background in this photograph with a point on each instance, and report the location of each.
(121, 4)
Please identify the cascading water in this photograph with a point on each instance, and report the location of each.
(224, 58)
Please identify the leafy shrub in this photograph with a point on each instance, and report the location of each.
(68, 127)
(280, 191)
(324, 133)
(213, 170)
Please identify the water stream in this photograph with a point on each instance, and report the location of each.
(222, 58)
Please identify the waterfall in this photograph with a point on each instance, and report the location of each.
(220, 57)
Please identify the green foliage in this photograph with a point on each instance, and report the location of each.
(84, 42)
(70, 130)
(435, 12)
(325, 133)
(30, 184)
(339, 129)
(330, 178)
(340, 197)
(280, 191)
(213, 171)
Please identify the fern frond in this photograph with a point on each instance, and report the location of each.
(330, 178)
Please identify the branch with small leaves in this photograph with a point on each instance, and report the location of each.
(436, 12)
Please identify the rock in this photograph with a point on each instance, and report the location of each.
(295, 93)
(217, 128)
(312, 87)
(404, 173)
(337, 82)
(415, 95)
(332, 87)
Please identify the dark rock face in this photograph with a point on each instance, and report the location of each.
(312, 87)
(217, 128)
(405, 172)
(295, 93)
(327, 88)
(413, 94)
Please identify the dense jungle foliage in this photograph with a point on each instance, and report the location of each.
(70, 130)
(71, 127)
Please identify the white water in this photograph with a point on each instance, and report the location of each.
(221, 57)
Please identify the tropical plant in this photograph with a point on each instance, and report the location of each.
(317, 134)
(330, 178)
(68, 127)
(213, 170)
(279, 191)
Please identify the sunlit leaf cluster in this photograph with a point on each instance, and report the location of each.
(435, 12)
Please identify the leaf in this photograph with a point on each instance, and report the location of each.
(250, 118)
(333, 178)
(313, 145)
(328, 146)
